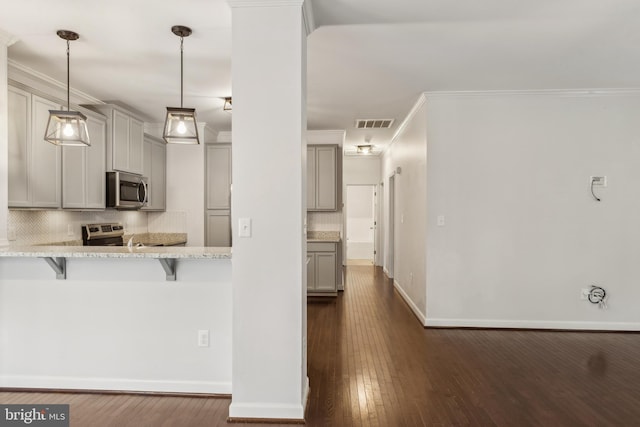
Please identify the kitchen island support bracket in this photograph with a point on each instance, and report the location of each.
(59, 265)
(169, 265)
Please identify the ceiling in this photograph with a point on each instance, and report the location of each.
(367, 59)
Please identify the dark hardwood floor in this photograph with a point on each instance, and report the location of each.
(372, 364)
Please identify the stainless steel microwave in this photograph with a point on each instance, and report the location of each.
(126, 190)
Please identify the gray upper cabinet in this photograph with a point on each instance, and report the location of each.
(323, 173)
(155, 169)
(219, 176)
(125, 136)
(83, 169)
(34, 164)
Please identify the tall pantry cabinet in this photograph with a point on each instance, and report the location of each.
(218, 195)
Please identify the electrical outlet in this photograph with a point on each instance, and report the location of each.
(203, 338)
(440, 220)
(584, 293)
(69, 229)
(11, 233)
(598, 180)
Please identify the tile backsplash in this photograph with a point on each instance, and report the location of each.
(325, 221)
(35, 227)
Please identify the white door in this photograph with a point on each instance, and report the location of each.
(361, 222)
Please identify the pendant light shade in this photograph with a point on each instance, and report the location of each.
(180, 126)
(67, 127)
(228, 106)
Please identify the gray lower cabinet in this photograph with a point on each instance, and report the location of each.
(155, 169)
(218, 228)
(322, 268)
(83, 169)
(34, 164)
(323, 178)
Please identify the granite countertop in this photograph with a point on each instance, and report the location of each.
(147, 239)
(323, 236)
(115, 252)
(157, 239)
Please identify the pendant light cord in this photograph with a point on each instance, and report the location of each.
(181, 68)
(68, 87)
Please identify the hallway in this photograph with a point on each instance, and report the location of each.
(371, 363)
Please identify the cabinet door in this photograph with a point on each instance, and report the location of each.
(96, 164)
(311, 178)
(311, 272)
(45, 172)
(19, 137)
(218, 177)
(136, 138)
(158, 178)
(219, 228)
(83, 170)
(120, 141)
(326, 174)
(325, 271)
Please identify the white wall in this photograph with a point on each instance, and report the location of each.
(269, 185)
(523, 235)
(408, 151)
(115, 324)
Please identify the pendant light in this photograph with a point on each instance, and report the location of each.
(181, 127)
(227, 104)
(67, 127)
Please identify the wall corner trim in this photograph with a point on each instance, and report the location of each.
(410, 303)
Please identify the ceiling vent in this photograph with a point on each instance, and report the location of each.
(374, 123)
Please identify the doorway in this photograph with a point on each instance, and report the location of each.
(361, 224)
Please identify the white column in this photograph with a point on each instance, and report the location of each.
(6, 40)
(269, 377)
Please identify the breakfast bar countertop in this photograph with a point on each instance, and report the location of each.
(116, 252)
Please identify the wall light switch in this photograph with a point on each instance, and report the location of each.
(244, 227)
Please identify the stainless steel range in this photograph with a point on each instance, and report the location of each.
(107, 234)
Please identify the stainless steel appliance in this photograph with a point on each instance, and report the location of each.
(126, 190)
(102, 235)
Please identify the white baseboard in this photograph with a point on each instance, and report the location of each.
(305, 396)
(409, 302)
(118, 384)
(532, 324)
(263, 411)
(384, 269)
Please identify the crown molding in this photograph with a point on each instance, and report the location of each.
(7, 39)
(414, 110)
(316, 137)
(537, 92)
(224, 136)
(31, 77)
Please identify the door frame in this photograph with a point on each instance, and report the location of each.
(390, 226)
(376, 240)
